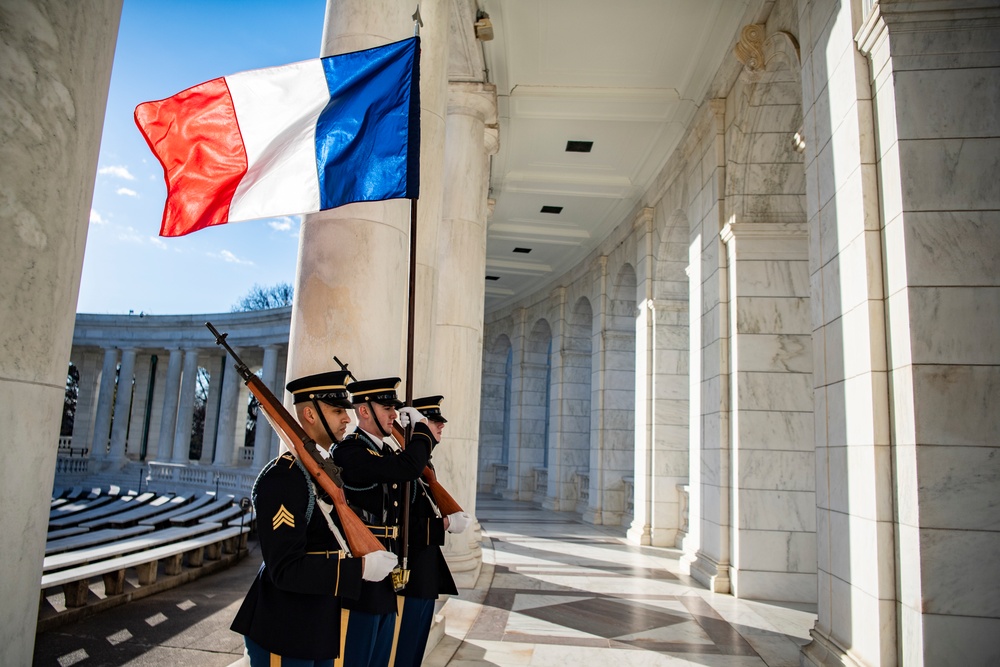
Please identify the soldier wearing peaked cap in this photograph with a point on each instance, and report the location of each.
(292, 611)
(375, 473)
(429, 573)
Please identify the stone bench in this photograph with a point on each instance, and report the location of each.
(118, 505)
(75, 581)
(160, 505)
(150, 540)
(164, 518)
(204, 511)
(90, 538)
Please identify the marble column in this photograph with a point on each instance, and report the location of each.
(216, 365)
(772, 458)
(123, 405)
(90, 376)
(229, 415)
(592, 513)
(168, 416)
(140, 406)
(640, 530)
(933, 132)
(185, 410)
(336, 312)
(158, 378)
(561, 438)
(53, 89)
(458, 321)
(710, 565)
(276, 445)
(856, 547)
(105, 404)
(527, 411)
(264, 432)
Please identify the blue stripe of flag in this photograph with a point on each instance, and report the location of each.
(368, 136)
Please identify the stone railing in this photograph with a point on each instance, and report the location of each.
(72, 465)
(244, 455)
(177, 477)
(67, 449)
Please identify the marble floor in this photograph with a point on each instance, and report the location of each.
(557, 591)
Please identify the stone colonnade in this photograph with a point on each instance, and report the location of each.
(783, 360)
(138, 385)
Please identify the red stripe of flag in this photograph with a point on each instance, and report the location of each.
(196, 137)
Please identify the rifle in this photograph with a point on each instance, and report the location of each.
(324, 471)
(442, 498)
(400, 576)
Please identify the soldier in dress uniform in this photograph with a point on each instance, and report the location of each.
(291, 614)
(374, 473)
(429, 573)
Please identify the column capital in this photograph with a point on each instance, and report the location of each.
(766, 240)
(473, 99)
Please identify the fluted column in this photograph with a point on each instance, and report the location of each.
(105, 402)
(123, 405)
(168, 419)
(185, 410)
(231, 383)
(262, 439)
(461, 262)
(57, 57)
(335, 312)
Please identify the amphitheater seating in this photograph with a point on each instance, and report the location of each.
(92, 537)
(97, 534)
(117, 505)
(75, 581)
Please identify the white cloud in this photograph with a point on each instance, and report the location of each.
(115, 170)
(227, 256)
(130, 235)
(96, 219)
(282, 224)
(126, 191)
(158, 242)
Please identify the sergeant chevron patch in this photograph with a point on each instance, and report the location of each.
(282, 517)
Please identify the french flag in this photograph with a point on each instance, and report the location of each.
(299, 138)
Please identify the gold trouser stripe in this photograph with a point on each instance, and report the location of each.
(345, 616)
(275, 660)
(395, 633)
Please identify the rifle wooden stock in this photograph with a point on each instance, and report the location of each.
(359, 538)
(442, 498)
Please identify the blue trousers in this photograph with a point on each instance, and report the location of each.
(261, 657)
(368, 639)
(414, 626)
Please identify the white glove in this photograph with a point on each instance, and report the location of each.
(408, 415)
(458, 522)
(378, 565)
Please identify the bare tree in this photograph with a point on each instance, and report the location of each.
(264, 298)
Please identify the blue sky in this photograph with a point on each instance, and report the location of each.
(165, 46)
